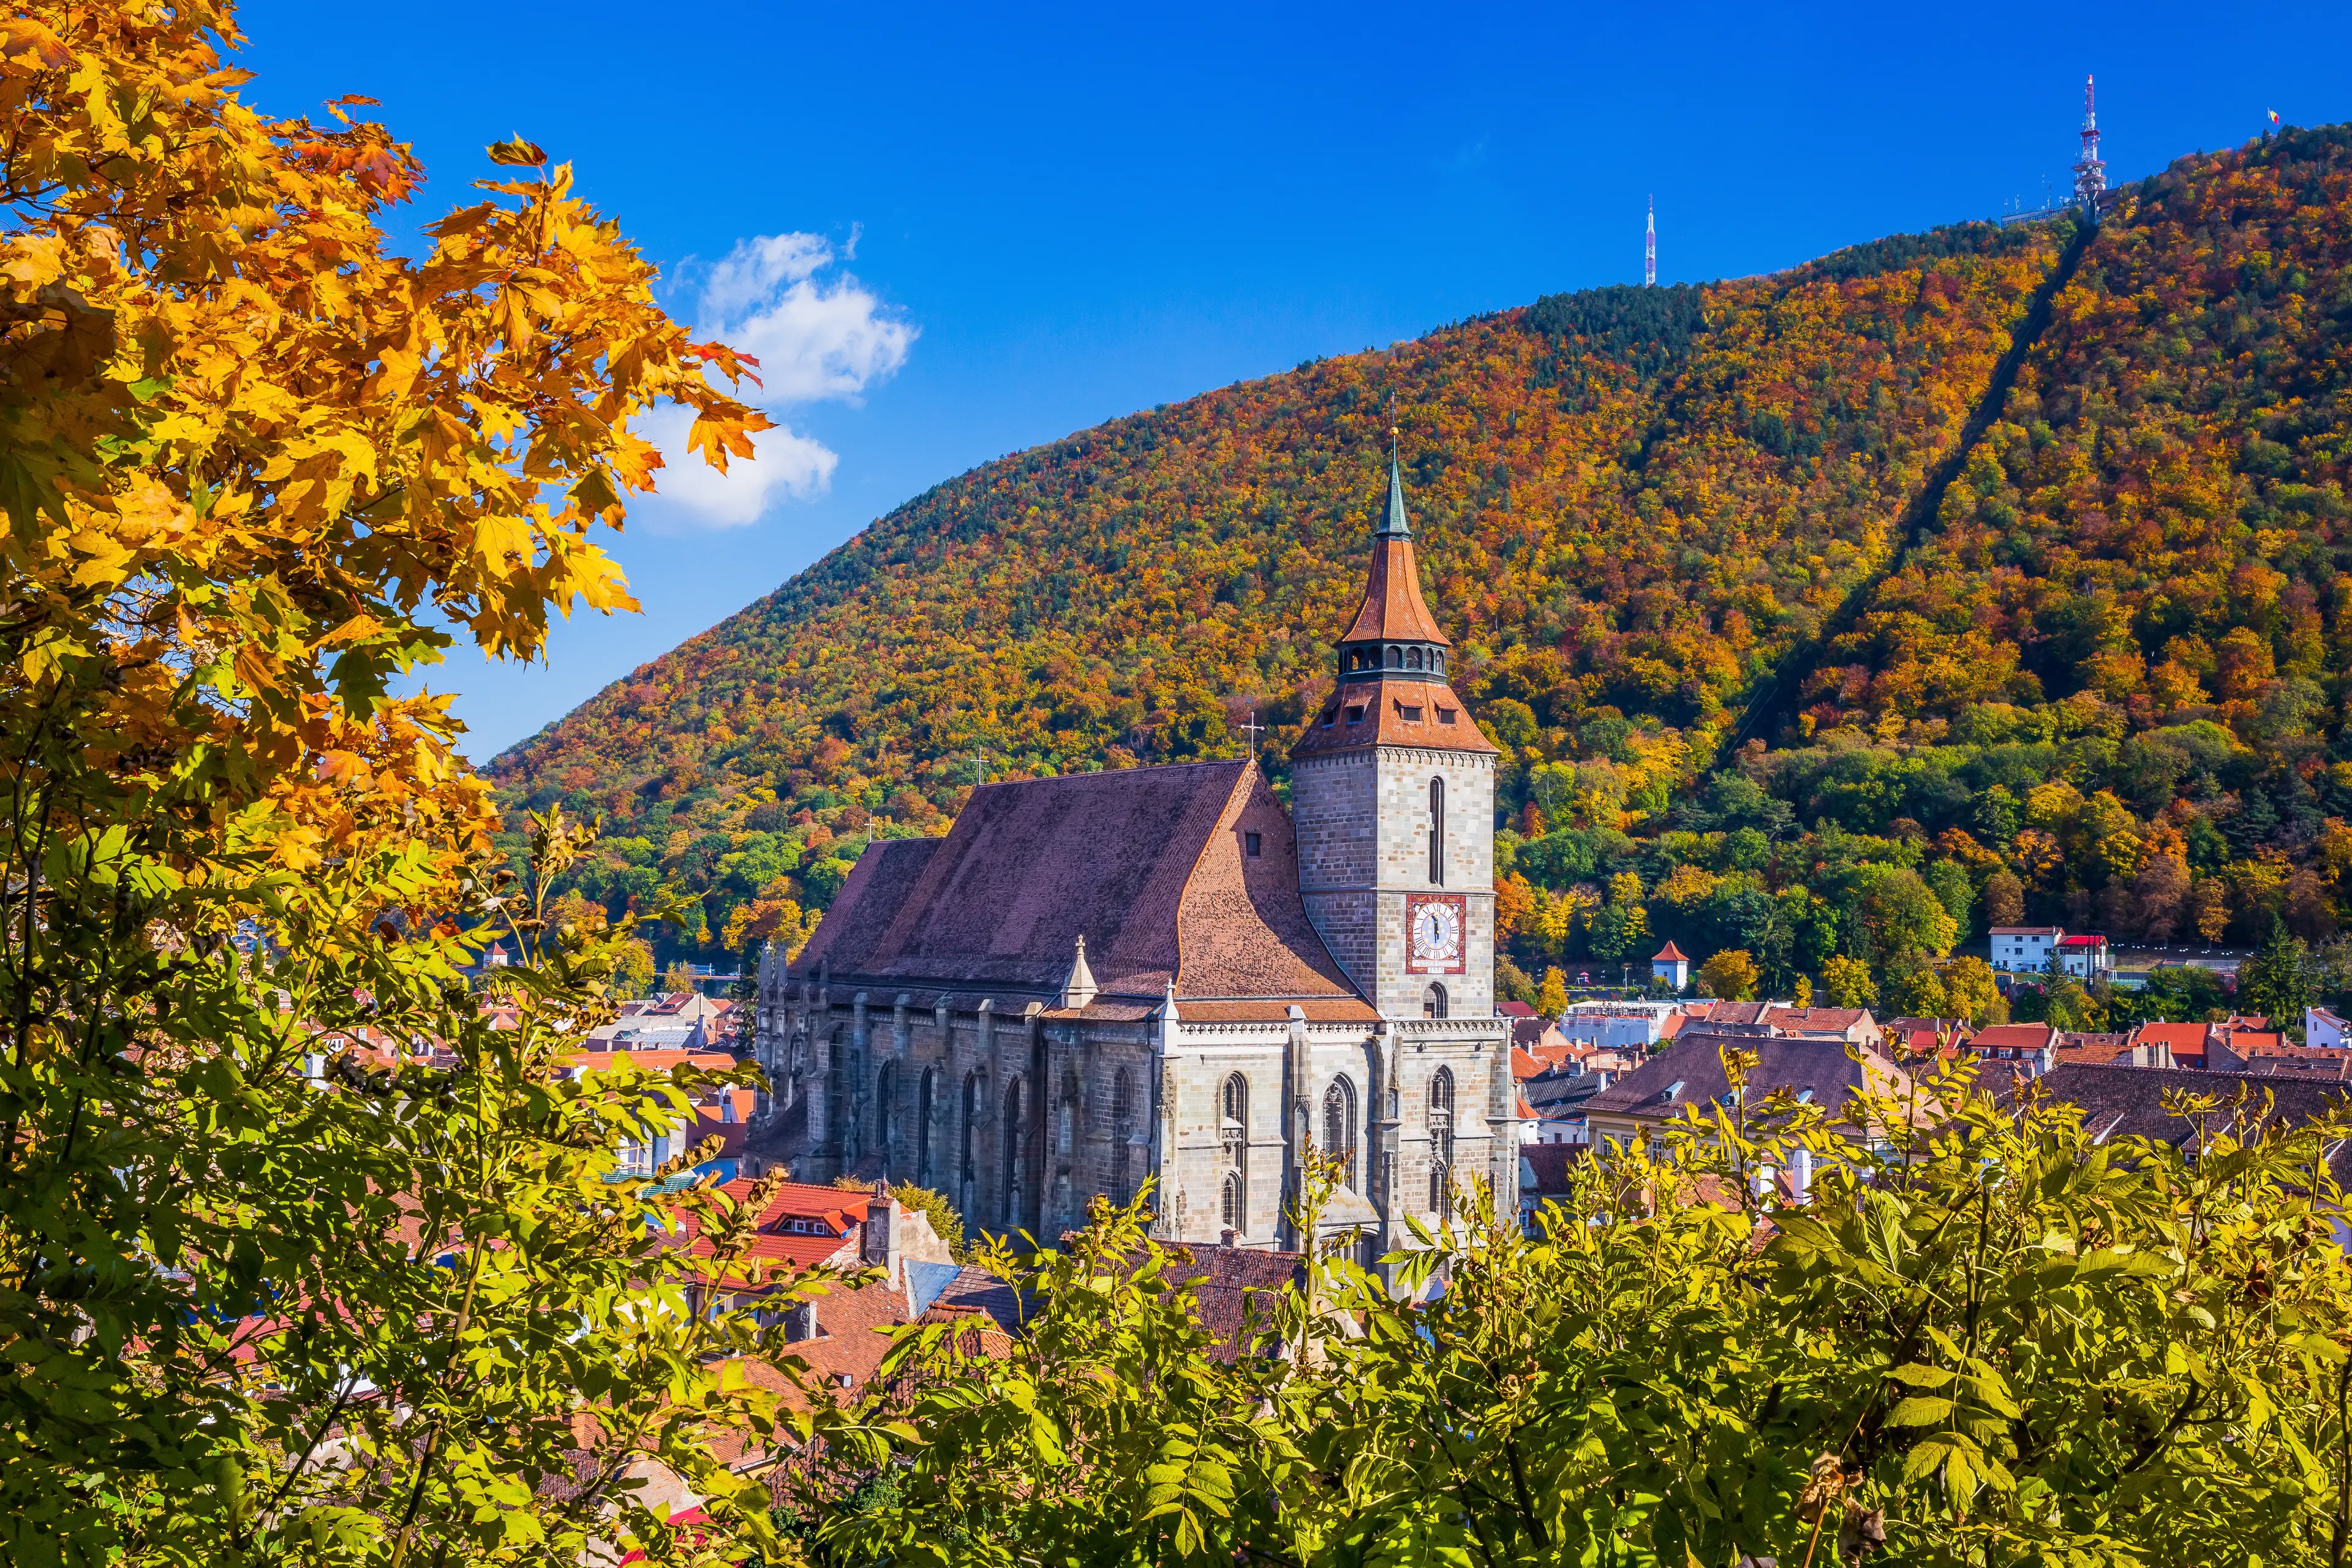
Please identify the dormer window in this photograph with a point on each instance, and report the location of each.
(1356, 713)
(1409, 714)
(1251, 845)
(1445, 715)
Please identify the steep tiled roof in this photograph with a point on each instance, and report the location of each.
(1149, 865)
(1393, 608)
(1393, 712)
(1669, 954)
(1233, 1289)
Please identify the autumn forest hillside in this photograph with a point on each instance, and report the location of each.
(1988, 573)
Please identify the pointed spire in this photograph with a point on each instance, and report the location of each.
(1393, 524)
(1080, 988)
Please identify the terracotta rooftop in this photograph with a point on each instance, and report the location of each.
(1669, 954)
(1393, 608)
(2012, 1037)
(1233, 1290)
(1394, 713)
(1149, 865)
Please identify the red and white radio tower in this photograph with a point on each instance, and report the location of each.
(2090, 174)
(1650, 249)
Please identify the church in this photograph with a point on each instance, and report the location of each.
(1159, 972)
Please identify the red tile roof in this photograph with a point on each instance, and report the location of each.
(1393, 712)
(2012, 1037)
(1669, 954)
(1394, 609)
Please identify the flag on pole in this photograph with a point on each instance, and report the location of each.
(2273, 114)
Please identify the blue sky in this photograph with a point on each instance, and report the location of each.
(957, 233)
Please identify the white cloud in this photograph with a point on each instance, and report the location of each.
(820, 335)
(787, 466)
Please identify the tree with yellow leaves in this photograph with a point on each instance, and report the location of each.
(1552, 1000)
(254, 465)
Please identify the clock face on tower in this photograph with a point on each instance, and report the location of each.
(1435, 926)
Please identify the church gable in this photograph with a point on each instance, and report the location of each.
(1243, 927)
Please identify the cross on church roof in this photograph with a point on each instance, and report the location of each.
(1252, 729)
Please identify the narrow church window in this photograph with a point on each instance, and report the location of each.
(1235, 1210)
(1433, 1000)
(1253, 844)
(1437, 663)
(1437, 833)
(886, 1083)
(923, 1092)
(1122, 1129)
(1235, 1106)
(1441, 1140)
(1340, 1128)
(1015, 1151)
(969, 1166)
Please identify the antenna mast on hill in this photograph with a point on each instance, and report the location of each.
(1650, 249)
(2090, 173)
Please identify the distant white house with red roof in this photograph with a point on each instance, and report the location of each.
(2025, 949)
(1670, 965)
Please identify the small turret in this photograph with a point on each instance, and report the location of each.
(1080, 988)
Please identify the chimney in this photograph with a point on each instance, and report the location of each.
(1800, 1173)
(879, 1242)
(1227, 1237)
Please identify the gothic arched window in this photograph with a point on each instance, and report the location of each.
(1122, 1129)
(1437, 660)
(1013, 1152)
(968, 1166)
(886, 1084)
(1234, 1209)
(1437, 833)
(924, 1090)
(1433, 1000)
(1441, 1139)
(1340, 1128)
(1234, 1107)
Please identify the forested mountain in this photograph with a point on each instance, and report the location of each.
(1989, 569)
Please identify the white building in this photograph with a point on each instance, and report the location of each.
(2024, 949)
(2322, 1028)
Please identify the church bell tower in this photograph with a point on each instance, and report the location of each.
(1393, 798)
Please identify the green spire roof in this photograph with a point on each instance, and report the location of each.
(1393, 525)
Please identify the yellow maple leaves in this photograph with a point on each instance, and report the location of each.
(255, 464)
